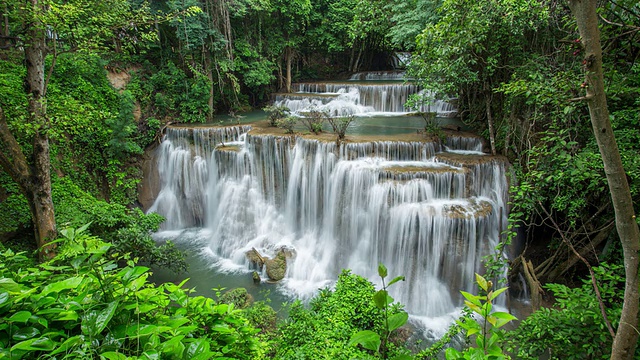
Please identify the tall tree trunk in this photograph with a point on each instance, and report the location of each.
(33, 179)
(288, 59)
(492, 130)
(626, 338)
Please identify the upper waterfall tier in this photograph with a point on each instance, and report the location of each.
(424, 212)
(358, 98)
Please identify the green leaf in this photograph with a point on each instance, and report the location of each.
(397, 320)
(4, 298)
(68, 344)
(382, 271)
(39, 344)
(20, 316)
(112, 355)
(9, 285)
(473, 299)
(381, 298)
(94, 321)
(26, 333)
(198, 349)
(494, 294)
(130, 274)
(367, 338)
(503, 318)
(70, 283)
(395, 280)
(482, 282)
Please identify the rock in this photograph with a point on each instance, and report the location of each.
(256, 277)
(239, 297)
(255, 258)
(276, 268)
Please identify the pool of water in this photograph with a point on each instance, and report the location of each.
(372, 124)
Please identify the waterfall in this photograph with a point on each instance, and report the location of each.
(427, 213)
(365, 94)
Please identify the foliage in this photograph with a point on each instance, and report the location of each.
(313, 120)
(486, 328)
(169, 91)
(332, 318)
(81, 305)
(275, 113)
(340, 124)
(288, 124)
(574, 328)
(378, 342)
(129, 230)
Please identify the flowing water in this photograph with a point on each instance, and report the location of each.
(427, 210)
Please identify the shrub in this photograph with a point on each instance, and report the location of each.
(313, 120)
(81, 305)
(574, 329)
(276, 113)
(288, 124)
(341, 124)
(323, 330)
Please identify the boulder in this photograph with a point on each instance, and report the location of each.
(277, 268)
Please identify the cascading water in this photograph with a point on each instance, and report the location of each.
(371, 94)
(426, 214)
(427, 210)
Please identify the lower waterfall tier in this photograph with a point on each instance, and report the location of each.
(425, 213)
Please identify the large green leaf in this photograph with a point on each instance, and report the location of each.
(70, 283)
(39, 344)
(381, 298)
(95, 321)
(397, 320)
(26, 333)
(20, 316)
(367, 338)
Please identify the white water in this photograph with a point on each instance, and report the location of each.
(360, 99)
(423, 213)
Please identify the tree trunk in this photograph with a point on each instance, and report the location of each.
(626, 338)
(33, 179)
(288, 53)
(492, 131)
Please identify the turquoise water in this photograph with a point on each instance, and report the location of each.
(365, 125)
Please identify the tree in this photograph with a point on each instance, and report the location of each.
(586, 17)
(51, 27)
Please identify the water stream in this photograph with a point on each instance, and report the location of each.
(428, 210)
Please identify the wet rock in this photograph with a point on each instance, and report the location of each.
(276, 268)
(256, 277)
(239, 297)
(255, 258)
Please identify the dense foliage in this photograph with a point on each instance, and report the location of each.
(82, 305)
(515, 68)
(331, 318)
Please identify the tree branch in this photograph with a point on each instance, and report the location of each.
(593, 275)
(12, 159)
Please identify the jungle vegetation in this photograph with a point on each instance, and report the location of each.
(532, 76)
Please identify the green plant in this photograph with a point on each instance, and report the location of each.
(486, 328)
(340, 124)
(288, 124)
(313, 120)
(81, 305)
(392, 320)
(276, 113)
(323, 329)
(574, 328)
